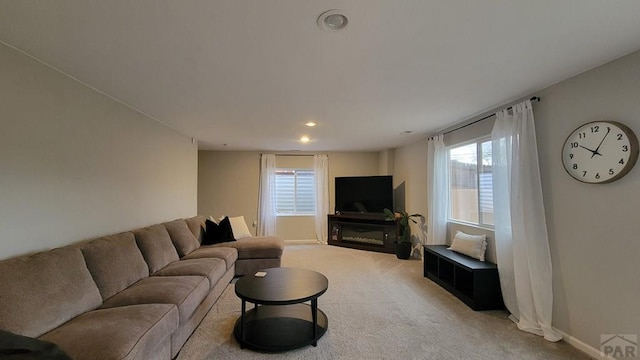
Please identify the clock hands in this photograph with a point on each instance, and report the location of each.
(592, 152)
(595, 152)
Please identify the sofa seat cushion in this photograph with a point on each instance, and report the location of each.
(43, 291)
(156, 247)
(182, 238)
(228, 254)
(212, 269)
(115, 262)
(261, 247)
(185, 292)
(127, 332)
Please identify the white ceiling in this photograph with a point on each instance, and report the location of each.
(249, 73)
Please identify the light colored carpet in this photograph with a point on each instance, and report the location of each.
(380, 307)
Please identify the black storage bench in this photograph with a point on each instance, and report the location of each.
(474, 282)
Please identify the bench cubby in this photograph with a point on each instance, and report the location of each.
(474, 282)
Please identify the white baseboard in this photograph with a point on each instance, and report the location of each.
(587, 349)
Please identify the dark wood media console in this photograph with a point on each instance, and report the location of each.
(364, 232)
(474, 282)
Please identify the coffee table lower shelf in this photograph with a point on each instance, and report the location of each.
(279, 327)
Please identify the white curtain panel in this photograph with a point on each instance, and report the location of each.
(321, 171)
(267, 197)
(438, 191)
(522, 245)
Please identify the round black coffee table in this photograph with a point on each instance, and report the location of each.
(280, 320)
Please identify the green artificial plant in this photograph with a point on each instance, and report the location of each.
(402, 218)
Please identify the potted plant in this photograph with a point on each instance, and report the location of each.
(403, 242)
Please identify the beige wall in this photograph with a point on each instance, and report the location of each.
(228, 184)
(75, 164)
(410, 168)
(593, 230)
(385, 162)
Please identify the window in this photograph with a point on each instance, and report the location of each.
(471, 183)
(295, 192)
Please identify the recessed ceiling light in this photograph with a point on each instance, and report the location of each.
(305, 139)
(311, 123)
(406, 132)
(333, 20)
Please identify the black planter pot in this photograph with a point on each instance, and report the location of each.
(403, 250)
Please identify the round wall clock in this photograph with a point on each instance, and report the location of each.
(600, 152)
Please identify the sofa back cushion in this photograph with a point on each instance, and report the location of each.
(156, 247)
(182, 238)
(41, 292)
(115, 262)
(196, 225)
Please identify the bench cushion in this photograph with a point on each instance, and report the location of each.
(41, 292)
(156, 247)
(115, 262)
(122, 333)
(185, 292)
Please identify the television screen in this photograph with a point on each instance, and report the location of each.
(364, 194)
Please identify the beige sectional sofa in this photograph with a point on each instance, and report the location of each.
(134, 295)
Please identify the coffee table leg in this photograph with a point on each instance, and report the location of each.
(314, 314)
(242, 315)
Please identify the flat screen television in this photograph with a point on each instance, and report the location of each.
(363, 194)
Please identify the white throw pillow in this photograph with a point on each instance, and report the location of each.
(470, 245)
(239, 227)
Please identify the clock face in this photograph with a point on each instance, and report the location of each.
(600, 152)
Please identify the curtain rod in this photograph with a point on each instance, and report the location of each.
(535, 98)
(293, 154)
